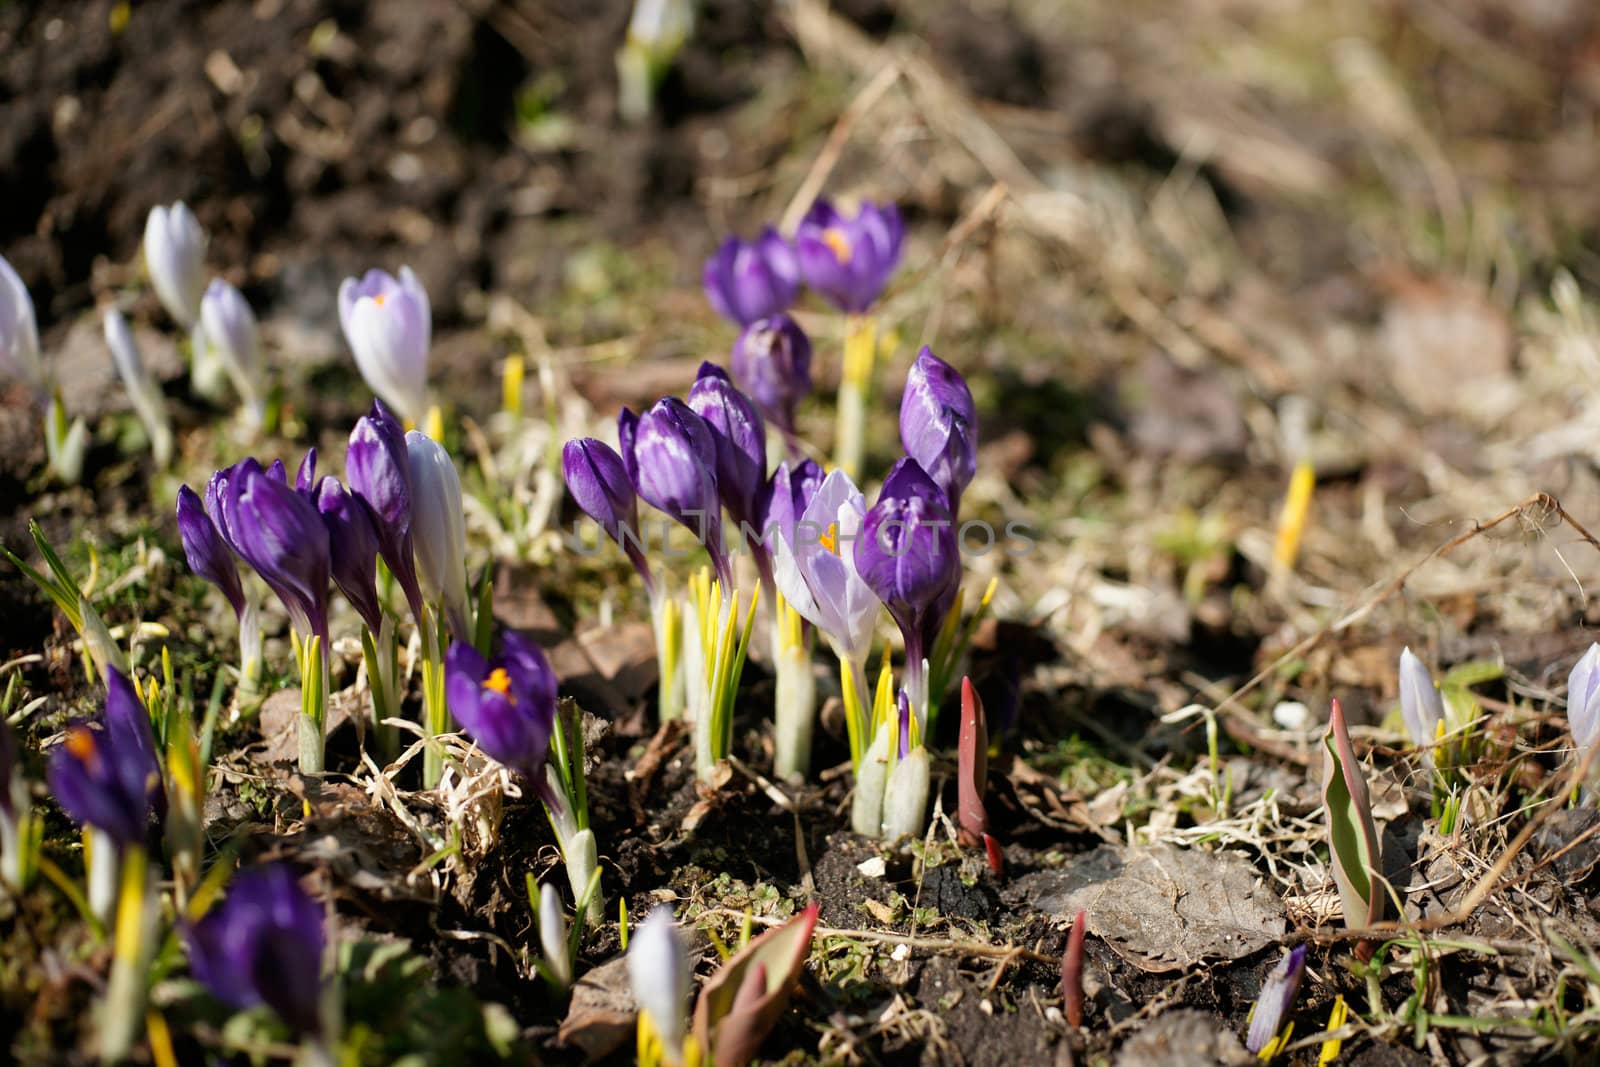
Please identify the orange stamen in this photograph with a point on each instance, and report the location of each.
(378, 300)
(830, 540)
(499, 681)
(835, 239)
(80, 742)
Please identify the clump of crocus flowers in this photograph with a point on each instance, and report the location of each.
(824, 560)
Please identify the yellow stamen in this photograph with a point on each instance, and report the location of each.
(830, 540)
(835, 239)
(378, 300)
(499, 681)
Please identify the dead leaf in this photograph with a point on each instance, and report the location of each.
(600, 1017)
(1185, 1038)
(1164, 908)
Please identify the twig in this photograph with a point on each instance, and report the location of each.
(920, 944)
(828, 158)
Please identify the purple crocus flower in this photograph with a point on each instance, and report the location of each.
(263, 945)
(352, 549)
(598, 481)
(378, 468)
(750, 280)
(388, 323)
(939, 424)
(105, 774)
(741, 441)
(907, 554)
(849, 260)
(279, 532)
(208, 554)
(506, 704)
(674, 469)
(772, 362)
(1276, 999)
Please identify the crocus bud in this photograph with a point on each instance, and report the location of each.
(105, 774)
(19, 331)
(378, 469)
(1276, 999)
(15, 804)
(905, 794)
(263, 945)
(1583, 701)
(1420, 703)
(939, 424)
(438, 526)
(659, 972)
(352, 549)
(143, 392)
(388, 324)
(815, 567)
(305, 475)
(175, 254)
(208, 554)
(741, 441)
(674, 467)
(506, 704)
(598, 481)
(280, 533)
(553, 935)
(772, 362)
(750, 280)
(906, 552)
(229, 327)
(849, 260)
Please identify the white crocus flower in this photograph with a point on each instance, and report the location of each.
(438, 528)
(229, 328)
(658, 970)
(175, 254)
(388, 323)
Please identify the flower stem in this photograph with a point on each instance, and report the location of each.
(855, 390)
(313, 703)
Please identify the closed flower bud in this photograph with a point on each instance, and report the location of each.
(19, 331)
(378, 469)
(849, 260)
(263, 945)
(438, 526)
(939, 424)
(1276, 999)
(750, 280)
(208, 554)
(553, 935)
(175, 256)
(229, 327)
(388, 324)
(740, 437)
(1583, 704)
(674, 462)
(1421, 705)
(772, 363)
(660, 974)
(906, 552)
(279, 532)
(352, 549)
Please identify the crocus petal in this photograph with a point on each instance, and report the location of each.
(208, 554)
(174, 254)
(19, 331)
(659, 972)
(388, 325)
(263, 945)
(1421, 705)
(438, 524)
